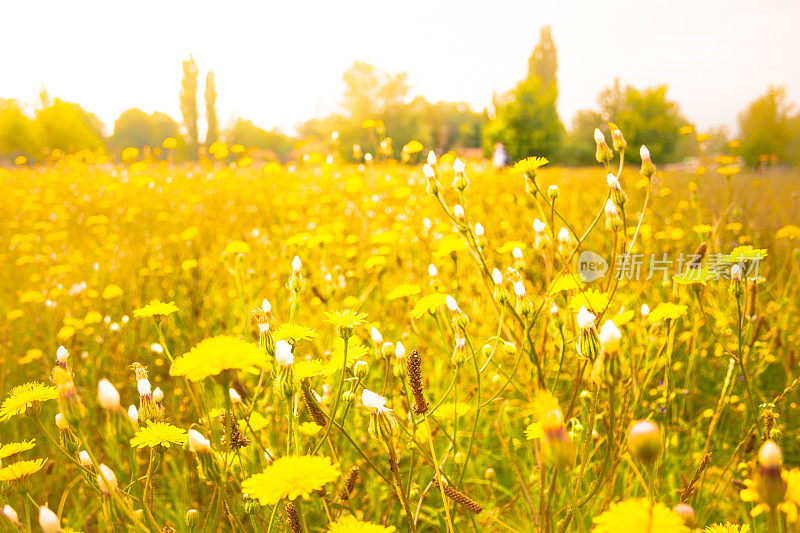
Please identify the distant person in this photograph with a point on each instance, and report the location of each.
(500, 157)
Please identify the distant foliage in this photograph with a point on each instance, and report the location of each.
(526, 120)
(212, 132)
(646, 116)
(136, 128)
(189, 99)
(767, 129)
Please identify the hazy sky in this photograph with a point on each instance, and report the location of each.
(278, 63)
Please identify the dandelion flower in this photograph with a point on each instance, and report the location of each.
(346, 319)
(21, 469)
(158, 434)
(351, 524)
(215, 355)
(13, 448)
(291, 477)
(636, 515)
(530, 164)
(155, 308)
(727, 528)
(22, 397)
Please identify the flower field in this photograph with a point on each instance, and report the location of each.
(323, 346)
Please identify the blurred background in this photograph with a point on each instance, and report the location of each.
(501, 79)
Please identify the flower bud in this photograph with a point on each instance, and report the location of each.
(198, 443)
(648, 169)
(645, 311)
(387, 349)
(377, 338)
(84, 458)
(553, 192)
(283, 354)
(431, 158)
(603, 153)
(360, 369)
(61, 422)
(645, 441)
(617, 194)
(613, 218)
(399, 350)
(235, 396)
(686, 512)
(107, 395)
(460, 181)
(48, 520)
(11, 514)
(158, 395)
(61, 356)
(192, 518)
(617, 140)
(106, 480)
(458, 213)
(588, 343)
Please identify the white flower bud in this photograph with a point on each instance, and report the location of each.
(235, 398)
(458, 211)
(538, 225)
(11, 514)
(611, 209)
(158, 395)
(198, 443)
(432, 271)
(458, 166)
(610, 337)
(62, 354)
(563, 235)
(431, 158)
(612, 181)
(377, 338)
(497, 277)
(133, 414)
(374, 402)
(107, 395)
(736, 273)
(84, 458)
(106, 479)
(451, 303)
(266, 306)
(519, 289)
(399, 350)
(144, 387)
(48, 520)
(585, 319)
(283, 353)
(427, 170)
(598, 136)
(61, 422)
(296, 264)
(516, 252)
(479, 230)
(645, 310)
(553, 309)
(644, 153)
(156, 348)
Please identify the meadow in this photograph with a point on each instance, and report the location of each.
(327, 346)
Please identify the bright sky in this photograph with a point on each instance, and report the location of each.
(278, 63)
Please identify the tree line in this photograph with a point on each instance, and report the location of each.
(379, 116)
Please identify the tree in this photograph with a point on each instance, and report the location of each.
(136, 128)
(67, 127)
(17, 131)
(543, 63)
(645, 116)
(246, 133)
(765, 127)
(212, 132)
(189, 99)
(526, 120)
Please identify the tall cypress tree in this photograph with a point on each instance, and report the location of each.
(212, 133)
(543, 63)
(189, 99)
